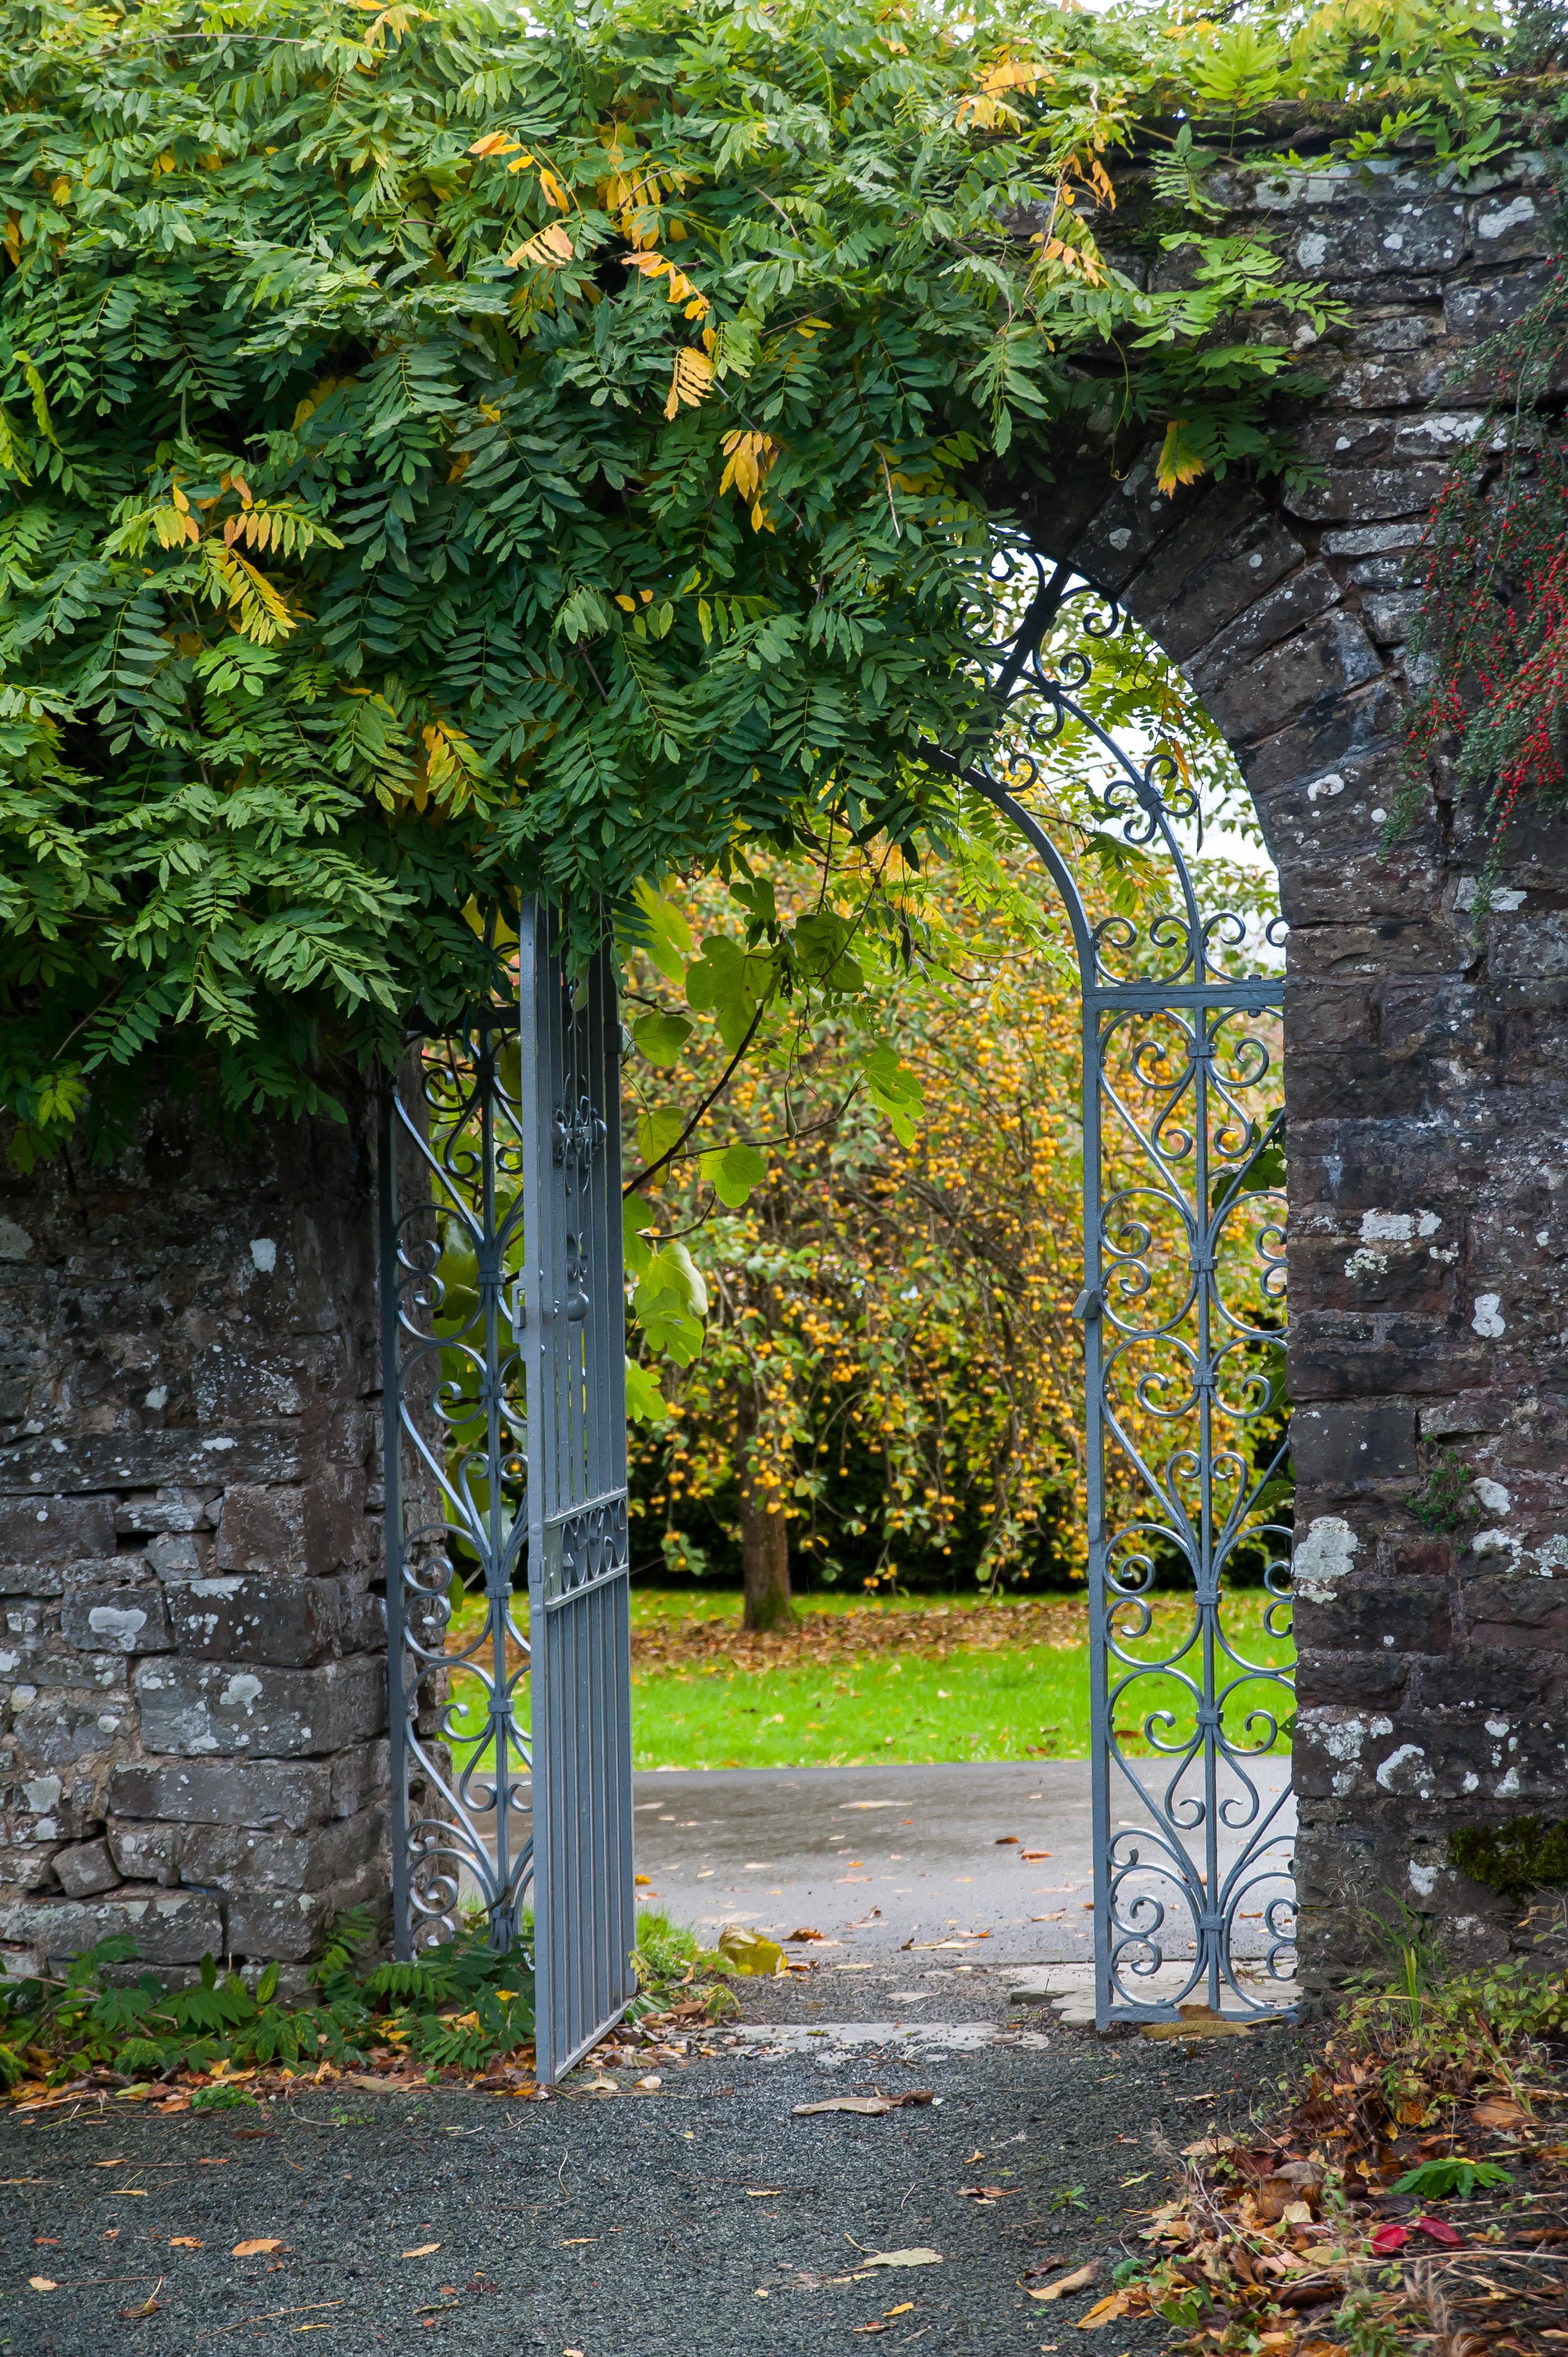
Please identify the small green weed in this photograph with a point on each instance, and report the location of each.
(1450, 2179)
(223, 2098)
(1070, 2197)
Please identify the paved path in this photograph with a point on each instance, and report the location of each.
(878, 1857)
(698, 2218)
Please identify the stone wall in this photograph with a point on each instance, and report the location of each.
(192, 1682)
(1426, 1070)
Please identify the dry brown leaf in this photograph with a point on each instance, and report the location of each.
(253, 2249)
(1105, 2311)
(871, 2105)
(422, 2250)
(1500, 2111)
(148, 2306)
(43, 2283)
(985, 2192)
(920, 2257)
(1080, 2281)
(185, 2242)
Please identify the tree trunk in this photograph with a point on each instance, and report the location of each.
(764, 1543)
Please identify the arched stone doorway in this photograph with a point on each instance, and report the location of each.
(181, 1777)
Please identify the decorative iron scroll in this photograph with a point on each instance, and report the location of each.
(451, 1168)
(1183, 1308)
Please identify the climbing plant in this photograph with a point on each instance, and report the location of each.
(448, 453)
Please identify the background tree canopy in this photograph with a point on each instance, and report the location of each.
(448, 453)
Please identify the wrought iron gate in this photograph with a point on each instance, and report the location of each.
(502, 1330)
(502, 1325)
(1186, 1449)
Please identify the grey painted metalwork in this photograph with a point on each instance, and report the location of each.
(1183, 1315)
(502, 1323)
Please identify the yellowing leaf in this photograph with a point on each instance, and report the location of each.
(553, 191)
(547, 249)
(497, 143)
(690, 381)
(1181, 460)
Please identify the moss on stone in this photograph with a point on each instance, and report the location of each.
(1530, 1854)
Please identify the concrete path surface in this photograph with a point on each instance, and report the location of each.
(877, 1858)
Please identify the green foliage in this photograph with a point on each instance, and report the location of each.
(1452, 2177)
(1442, 1501)
(450, 2006)
(1526, 1854)
(448, 454)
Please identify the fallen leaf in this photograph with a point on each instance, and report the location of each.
(420, 2249)
(1198, 2021)
(1390, 2238)
(121, 2163)
(643, 1881)
(762, 2193)
(876, 2325)
(43, 2283)
(149, 2307)
(1033, 1856)
(918, 2257)
(253, 2249)
(185, 2242)
(372, 2087)
(872, 2106)
(1500, 2111)
(1080, 2281)
(805, 1932)
(905, 2308)
(1440, 2231)
(1105, 2311)
(985, 2192)
(1005, 1841)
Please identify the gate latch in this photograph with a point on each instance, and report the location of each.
(1086, 1306)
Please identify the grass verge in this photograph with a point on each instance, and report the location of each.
(905, 1682)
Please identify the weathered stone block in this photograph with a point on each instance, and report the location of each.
(58, 1731)
(34, 1529)
(228, 1791)
(288, 1621)
(124, 1619)
(1318, 662)
(286, 1531)
(85, 1868)
(243, 1857)
(1340, 1448)
(198, 1707)
(177, 1555)
(174, 1927)
(290, 1924)
(167, 1510)
(146, 1852)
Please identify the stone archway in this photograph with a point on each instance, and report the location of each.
(1428, 1140)
(178, 1775)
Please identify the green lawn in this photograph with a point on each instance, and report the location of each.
(1031, 1701)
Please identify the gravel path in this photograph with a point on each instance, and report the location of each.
(700, 2219)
